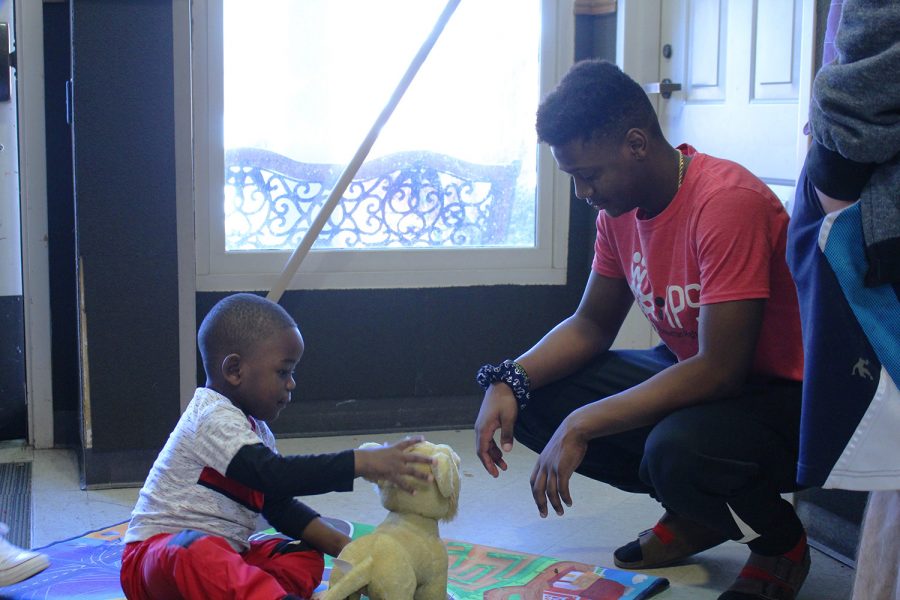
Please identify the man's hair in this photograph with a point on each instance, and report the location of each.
(235, 324)
(594, 100)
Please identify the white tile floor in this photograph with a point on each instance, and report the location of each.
(497, 512)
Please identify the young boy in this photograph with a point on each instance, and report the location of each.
(189, 532)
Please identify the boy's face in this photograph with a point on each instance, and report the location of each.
(267, 375)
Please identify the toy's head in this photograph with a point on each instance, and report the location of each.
(438, 499)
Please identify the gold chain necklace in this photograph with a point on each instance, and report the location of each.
(680, 168)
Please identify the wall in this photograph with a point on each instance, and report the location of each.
(405, 358)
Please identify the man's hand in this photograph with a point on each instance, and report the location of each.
(554, 468)
(498, 411)
(391, 463)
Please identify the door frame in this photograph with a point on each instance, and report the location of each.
(638, 54)
(29, 35)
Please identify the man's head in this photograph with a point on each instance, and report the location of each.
(250, 347)
(594, 101)
(603, 131)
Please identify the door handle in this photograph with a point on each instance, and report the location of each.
(7, 63)
(664, 88)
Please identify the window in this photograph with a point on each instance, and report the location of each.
(455, 190)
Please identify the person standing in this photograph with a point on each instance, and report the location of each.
(844, 253)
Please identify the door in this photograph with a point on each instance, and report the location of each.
(739, 65)
(13, 402)
(730, 77)
(744, 69)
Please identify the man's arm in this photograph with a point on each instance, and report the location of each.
(568, 346)
(727, 336)
(590, 331)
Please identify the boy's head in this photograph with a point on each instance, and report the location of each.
(250, 347)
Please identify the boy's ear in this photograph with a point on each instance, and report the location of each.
(231, 369)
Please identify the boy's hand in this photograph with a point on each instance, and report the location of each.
(391, 463)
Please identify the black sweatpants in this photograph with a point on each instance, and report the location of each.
(704, 462)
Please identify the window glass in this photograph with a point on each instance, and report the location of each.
(455, 166)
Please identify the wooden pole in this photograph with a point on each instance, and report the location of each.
(293, 263)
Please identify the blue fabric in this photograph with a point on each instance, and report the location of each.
(876, 308)
(841, 368)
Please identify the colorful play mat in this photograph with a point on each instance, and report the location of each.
(87, 568)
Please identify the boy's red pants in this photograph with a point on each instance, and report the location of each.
(191, 564)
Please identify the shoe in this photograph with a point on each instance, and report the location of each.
(17, 564)
(771, 577)
(672, 539)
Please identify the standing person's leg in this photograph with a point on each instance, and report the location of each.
(294, 563)
(191, 564)
(725, 464)
(878, 559)
(613, 459)
(18, 564)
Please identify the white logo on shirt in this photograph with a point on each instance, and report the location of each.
(677, 299)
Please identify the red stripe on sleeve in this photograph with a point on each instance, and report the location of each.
(240, 493)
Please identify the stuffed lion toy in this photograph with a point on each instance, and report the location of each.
(404, 558)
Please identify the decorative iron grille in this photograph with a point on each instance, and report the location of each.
(407, 199)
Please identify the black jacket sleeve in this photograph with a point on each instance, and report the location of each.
(837, 176)
(280, 476)
(288, 515)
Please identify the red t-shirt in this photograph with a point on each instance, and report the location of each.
(721, 239)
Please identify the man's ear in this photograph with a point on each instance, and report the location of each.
(636, 141)
(231, 369)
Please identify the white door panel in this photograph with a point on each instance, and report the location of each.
(738, 63)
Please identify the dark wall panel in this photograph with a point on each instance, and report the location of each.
(13, 407)
(61, 226)
(124, 166)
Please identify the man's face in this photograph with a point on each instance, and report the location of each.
(603, 173)
(267, 374)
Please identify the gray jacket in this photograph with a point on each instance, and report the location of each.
(855, 121)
